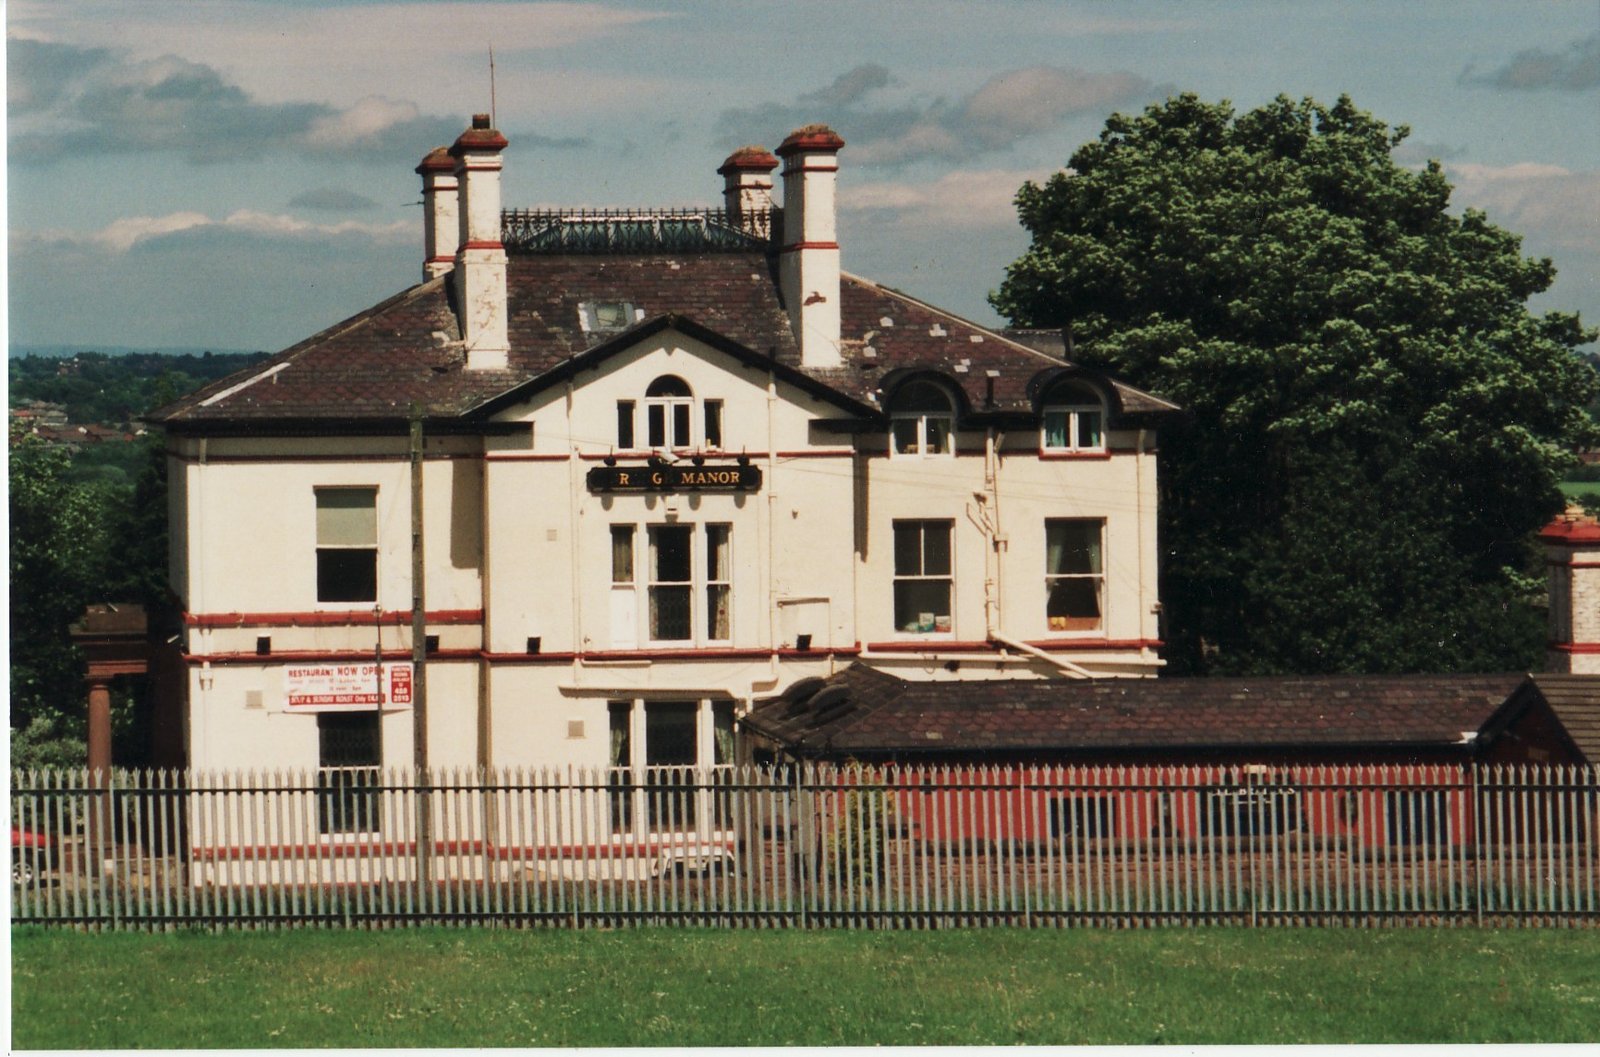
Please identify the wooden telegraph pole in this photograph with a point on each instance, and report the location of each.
(419, 660)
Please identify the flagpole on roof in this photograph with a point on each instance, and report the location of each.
(493, 120)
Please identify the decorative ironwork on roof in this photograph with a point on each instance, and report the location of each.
(620, 231)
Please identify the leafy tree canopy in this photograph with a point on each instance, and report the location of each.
(1378, 423)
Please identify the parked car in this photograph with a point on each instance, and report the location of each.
(32, 855)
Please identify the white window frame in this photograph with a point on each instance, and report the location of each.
(921, 421)
(1076, 426)
(631, 810)
(668, 407)
(640, 591)
(1053, 579)
(349, 790)
(589, 316)
(948, 578)
(373, 548)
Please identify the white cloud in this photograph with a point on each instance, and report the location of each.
(1010, 106)
(282, 54)
(1554, 207)
(123, 234)
(965, 199)
(364, 122)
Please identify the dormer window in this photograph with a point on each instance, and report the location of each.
(667, 403)
(922, 421)
(1073, 419)
(604, 317)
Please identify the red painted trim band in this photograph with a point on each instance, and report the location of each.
(793, 246)
(526, 456)
(567, 657)
(397, 457)
(812, 168)
(1074, 456)
(495, 245)
(326, 618)
(717, 456)
(1060, 645)
(361, 849)
(1574, 647)
(323, 656)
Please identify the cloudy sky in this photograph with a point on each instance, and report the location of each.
(236, 174)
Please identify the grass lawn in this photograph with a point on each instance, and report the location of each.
(658, 987)
(1574, 489)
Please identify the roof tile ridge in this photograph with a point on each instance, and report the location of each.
(366, 315)
(962, 320)
(287, 356)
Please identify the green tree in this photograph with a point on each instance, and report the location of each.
(1377, 422)
(58, 559)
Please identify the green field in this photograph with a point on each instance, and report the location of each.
(1573, 489)
(657, 987)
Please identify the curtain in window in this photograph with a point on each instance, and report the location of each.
(722, 731)
(1055, 429)
(622, 554)
(718, 588)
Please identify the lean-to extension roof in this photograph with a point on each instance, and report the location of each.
(371, 368)
(865, 712)
(1575, 701)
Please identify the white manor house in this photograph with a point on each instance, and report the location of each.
(670, 462)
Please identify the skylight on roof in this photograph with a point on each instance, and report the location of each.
(602, 317)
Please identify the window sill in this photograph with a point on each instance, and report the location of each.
(1066, 453)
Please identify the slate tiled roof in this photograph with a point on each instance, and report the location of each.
(372, 366)
(1575, 700)
(863, 712)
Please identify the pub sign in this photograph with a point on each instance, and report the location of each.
(660, 477)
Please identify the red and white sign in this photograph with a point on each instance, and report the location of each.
(346, 687)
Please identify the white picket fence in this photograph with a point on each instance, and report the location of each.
(853, 846)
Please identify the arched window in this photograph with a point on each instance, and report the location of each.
(922, 420)
(1073, 419)
(666, 408)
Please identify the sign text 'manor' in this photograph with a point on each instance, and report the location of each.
(674, 479)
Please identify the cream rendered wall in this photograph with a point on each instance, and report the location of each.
(532, 704)
(1121, 491)
(245, 518)
(226, 733)
(1118, 488)
(793, 537)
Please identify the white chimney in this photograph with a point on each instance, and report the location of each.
(480, 267)
(808, 261)
(441, 220)
(747, 189)
(1572, 559)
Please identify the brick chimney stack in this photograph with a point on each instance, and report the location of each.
(808, 261)
(441, 218)
(480, 262)
(1572, 551)
(747, 189)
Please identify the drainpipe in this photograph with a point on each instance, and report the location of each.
(574, 495)
(991, 584)
(1073, 669)
(772, 519)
